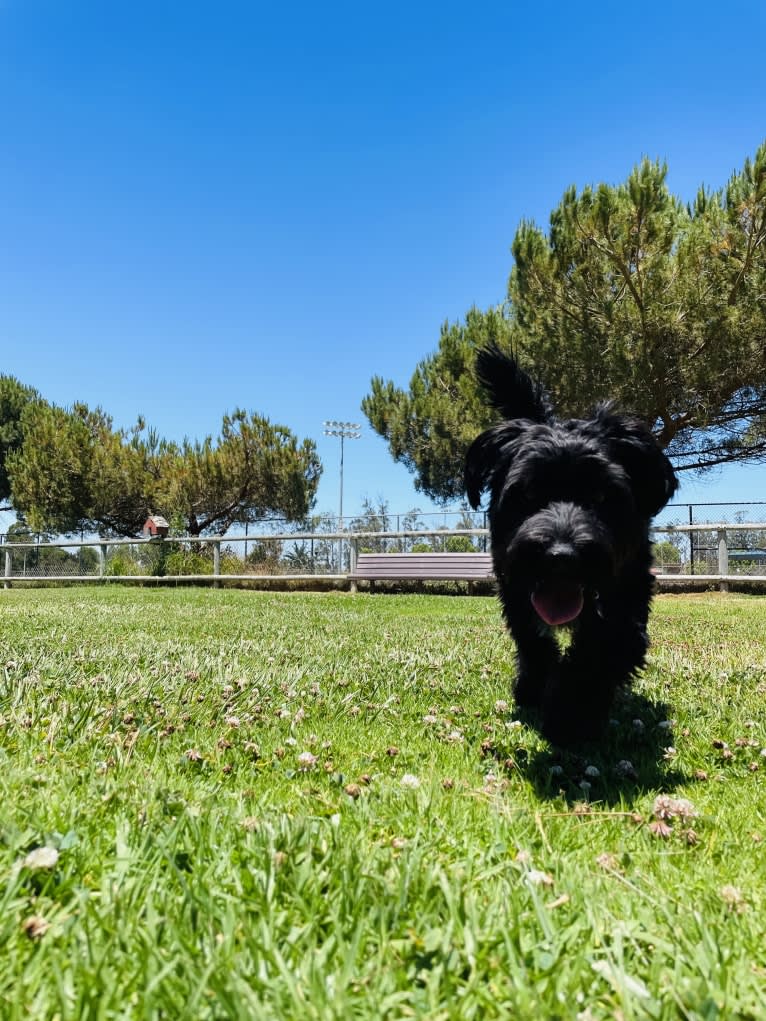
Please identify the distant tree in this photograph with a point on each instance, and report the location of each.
(264, 555)
(429, 427)
(252, 470)
(20, 531)
(375, 517)
(410, 521)
(14, 397)
(75, 471)
(299, 559)
(325, 551)
(634, 296)
(631, 295)
(42, 560)
(49, 472)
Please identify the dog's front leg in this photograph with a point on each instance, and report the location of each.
(604, 654)
(536, 659)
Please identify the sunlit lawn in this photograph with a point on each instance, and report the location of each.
(218, 804)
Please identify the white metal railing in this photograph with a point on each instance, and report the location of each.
(331, 569)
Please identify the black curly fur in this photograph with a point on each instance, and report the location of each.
(569, 512)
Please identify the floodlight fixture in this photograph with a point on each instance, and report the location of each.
(343, 431)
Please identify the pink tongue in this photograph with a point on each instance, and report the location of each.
(558, 603)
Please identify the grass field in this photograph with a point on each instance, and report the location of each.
(218, 804)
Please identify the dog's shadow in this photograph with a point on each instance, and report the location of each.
(634, 756)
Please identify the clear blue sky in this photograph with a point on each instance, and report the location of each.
(205, 206)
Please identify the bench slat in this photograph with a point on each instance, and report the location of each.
(423, 566)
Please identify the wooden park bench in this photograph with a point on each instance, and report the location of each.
(468, 567)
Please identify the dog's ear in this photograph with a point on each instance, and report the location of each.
(509, 388)
(632, 444)
(489, 453)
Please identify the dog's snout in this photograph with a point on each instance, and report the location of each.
(560, 551)
(561, 556)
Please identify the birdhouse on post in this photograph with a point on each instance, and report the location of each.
(155, 527)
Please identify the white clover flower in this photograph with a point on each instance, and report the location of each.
(592, 771)
(501, 706)
(306, 761)
(410, 782)
(539, 878)
(41, 858)
(608, 861)
(666, 808)
(733, 898)
(430, 718)
(455, 737)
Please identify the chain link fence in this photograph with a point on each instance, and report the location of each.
(688, 541)
(697, 552)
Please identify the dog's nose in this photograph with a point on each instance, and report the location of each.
(561, 556)
(560, 549)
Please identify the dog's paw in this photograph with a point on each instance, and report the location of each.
(571, 717)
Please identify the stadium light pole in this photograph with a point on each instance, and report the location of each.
(344, 431)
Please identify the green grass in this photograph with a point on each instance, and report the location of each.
(221, 775)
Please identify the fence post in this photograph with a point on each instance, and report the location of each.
(216, 563)
(352, 554)
(723, 558)
(6, 583)
(102, 559)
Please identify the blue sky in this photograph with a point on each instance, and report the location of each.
(205, 206)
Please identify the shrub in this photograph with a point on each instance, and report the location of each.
(459, 544)
(121, 563)
(187, 562)
(666, 553)
(231, 563)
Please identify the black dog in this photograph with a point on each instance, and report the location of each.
(569, 512)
